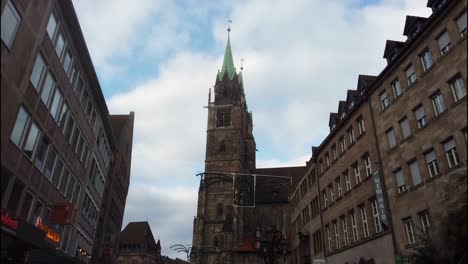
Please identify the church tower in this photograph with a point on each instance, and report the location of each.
(230, 148)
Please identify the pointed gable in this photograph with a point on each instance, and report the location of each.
(413, 24)
(392, 47)
(138, 233)
(334, 118)
(352, 97)
(228, 63)
(364, 81)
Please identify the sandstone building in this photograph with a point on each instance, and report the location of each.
(61, 151)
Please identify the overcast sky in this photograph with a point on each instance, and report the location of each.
(159, 58)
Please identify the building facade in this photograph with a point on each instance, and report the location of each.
(369, 190)
(57, 139)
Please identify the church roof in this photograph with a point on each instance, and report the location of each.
(138, 233)
(228, 63)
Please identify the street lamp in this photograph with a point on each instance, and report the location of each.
(270, 244)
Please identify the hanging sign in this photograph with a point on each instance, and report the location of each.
(244, 190)
(380, 198)
(50, 234)
(9, 222)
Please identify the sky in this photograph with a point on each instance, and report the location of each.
(159, 58)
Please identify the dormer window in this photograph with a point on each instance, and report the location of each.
(461, 24)
(438, 4)
(413, 32)
(343, 114)
(393, 55)
(351, 104)
(333, 126)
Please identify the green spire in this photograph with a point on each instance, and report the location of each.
(228, 63)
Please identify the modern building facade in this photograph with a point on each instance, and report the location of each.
(369, 190)
(58, 144)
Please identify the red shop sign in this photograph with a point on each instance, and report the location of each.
(8, 221)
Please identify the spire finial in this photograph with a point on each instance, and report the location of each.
(229, 26)
(242, 64)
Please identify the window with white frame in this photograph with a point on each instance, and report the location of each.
(65, 111)
(37, 72)
(458, 88)
(361, 126)
(391, 139)
(342, 144)
(60, 44)
(376, 213)
(348, 181)
(18, 134)
(31, 142)
(425, 223)
(420, 116)
(42, 150)
(332, 194)
(431, 163)
(337, 235)
(409, 228)
(52, 26)
(461, 24)
(47, 90)
(345, 231)
(400, 180)
(56, 103)
(50, 162)
(384, 100)
(410, 75)
(354, 227)
(405, 128)
(357, 173)
(324, 195)
(444, 43)
(338, 184)
(327, 159)
(321, 166)
(66, 61)
(368, 165)
(365, 225)
(451, 153)
(11, 21)
(415, 173)
(396, 87)
(438, 103)
(426, 59)
(352, 139)
(329, 239)
(335, 154)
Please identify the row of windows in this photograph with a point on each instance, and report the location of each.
(96, 178)
(432, 165)
(350, 228)
(83, 246)
(90, 210)
(328, 194)
(417, 232)
(29, 138)
(343, 144)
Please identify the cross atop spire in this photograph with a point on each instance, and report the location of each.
(228, 62)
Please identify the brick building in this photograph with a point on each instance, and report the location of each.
(369, 188)
(58, 143)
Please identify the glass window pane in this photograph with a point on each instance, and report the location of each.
(415, 175)
(69, 130)
(54, 109)
(449, 145)
(64, 181)
(6, 177)
(10, 24)
(37, 211)
(57, 172)
(37, 72)
(22, 121)
(79, 88)
(59, 45)
(63, 116)
(76, 194)
(79, 149)
(461, 23)
(70, 188)
(15, 196)
(52, 26)
(31, 141)
(67, 61)
(405, 129)
(84, 99)
(47, 89)
(24, 213)
(50, 163)
(41, 152)
(74, 141)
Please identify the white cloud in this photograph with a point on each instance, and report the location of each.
(299, 61)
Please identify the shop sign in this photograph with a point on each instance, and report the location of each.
(8, 221)
(50, 234)
(61, 214)
(380, 198)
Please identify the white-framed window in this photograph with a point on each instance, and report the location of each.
(321, 166)
(405, 128)
(343, 114)
(365, 225)
(335, 154)
(438, 103)
(396, 87)
(410, 75)
(329, 239)
(458, 88)
(368, 165)
(400, 180)
(431, 163)
(391, 139)
(56, 103)
(60, 45)
(420, 116)
(357, 173)
(340, 190)
(409, 228)
(345, 231)
(375, 212)
(451, 153)
(444, 43)
(461, 24)
(348, 181)
(42, 150)
(327, 159)
(384, 100)
(18, 134)
(361, 126)
(66, 62)
(325, 200)
(415, 173)
(47, 90)
(354, 227)
(62, 121)
(37, 72)
(351, 136)
(50, 163)
(426, 59)
(425, 223)
(337, 235)
(52, 26)
(342, 144)
(332, 194)
(32, 140)
(11, 21)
